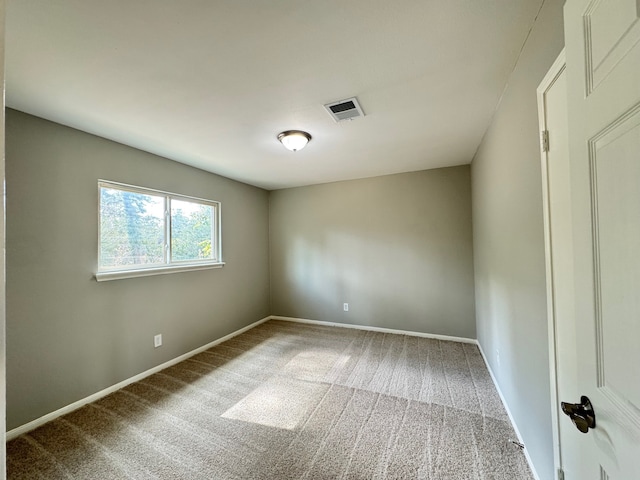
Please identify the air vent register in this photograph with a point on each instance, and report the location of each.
(347, 109)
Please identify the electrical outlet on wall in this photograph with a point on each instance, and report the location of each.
(345, 307)
(498, 357)
(157, 341)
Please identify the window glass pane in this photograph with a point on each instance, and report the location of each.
(132, 229)
(192, 235)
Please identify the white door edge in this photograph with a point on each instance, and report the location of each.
(547, 82)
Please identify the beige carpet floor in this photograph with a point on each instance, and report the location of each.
(290, 401)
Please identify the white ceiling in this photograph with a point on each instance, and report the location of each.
(211, 83)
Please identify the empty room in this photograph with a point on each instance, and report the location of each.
(330, 240)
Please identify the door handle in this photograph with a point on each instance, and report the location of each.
(581, 414)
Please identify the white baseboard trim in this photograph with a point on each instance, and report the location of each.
(376, 329)
(506, 407)
(27, 427)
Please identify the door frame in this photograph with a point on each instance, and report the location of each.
(547, 82)
(3, 375)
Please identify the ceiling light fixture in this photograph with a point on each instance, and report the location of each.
(294, 140)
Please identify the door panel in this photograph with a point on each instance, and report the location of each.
(615, 171)
(611, 28)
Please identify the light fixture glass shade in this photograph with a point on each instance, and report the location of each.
(294, 140)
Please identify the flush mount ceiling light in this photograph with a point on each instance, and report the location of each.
(294, 140)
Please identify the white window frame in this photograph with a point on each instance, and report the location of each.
(169, 265)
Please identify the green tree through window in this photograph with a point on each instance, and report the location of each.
(131, 227)
(190, 231)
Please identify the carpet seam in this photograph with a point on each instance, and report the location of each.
(141, 433)
(100, 446)
(181, 422)
(59, 465)
(359, 436)
(389, 451)
(328, 432)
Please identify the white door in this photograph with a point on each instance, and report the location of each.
(603, 85)
(556, 175)
(3, 401)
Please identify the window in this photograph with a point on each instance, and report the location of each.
(147, 232)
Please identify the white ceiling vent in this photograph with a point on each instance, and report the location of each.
(345, 109)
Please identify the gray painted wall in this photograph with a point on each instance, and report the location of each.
(397, 248)
(509, 244)
(69, 336)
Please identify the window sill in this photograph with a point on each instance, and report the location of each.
(146, 272)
